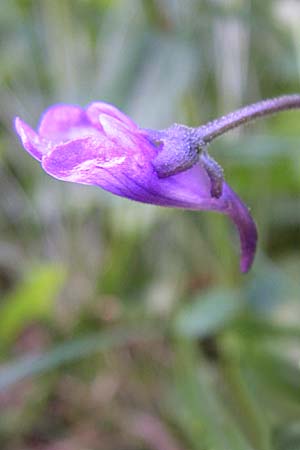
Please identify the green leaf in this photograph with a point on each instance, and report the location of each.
(208, 313)
(31, 300)
(268, 287)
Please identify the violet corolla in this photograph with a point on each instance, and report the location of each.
(101, 146)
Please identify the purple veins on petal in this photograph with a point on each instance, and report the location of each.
(103, 147)
(79, 161)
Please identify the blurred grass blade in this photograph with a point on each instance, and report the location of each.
(70, 351)
(198, 408)
(31, 300)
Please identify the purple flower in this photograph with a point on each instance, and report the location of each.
(101, 146)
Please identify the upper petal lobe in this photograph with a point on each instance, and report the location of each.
(95, 109)
(65, 122)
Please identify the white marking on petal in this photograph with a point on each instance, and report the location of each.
(90, 164)
(112, 162)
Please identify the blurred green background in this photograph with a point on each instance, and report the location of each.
(125, 326)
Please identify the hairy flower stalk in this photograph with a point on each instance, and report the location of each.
(101, 146)
(217, 127)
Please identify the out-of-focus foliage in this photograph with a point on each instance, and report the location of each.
(125, 326)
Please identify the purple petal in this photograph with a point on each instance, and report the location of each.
(30, 139)
(119, 133)
(90, 160)
(120, 166)
(65, 122)
(94, 110)
(191, 187)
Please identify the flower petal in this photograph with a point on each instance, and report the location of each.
(65, 122)
(90, 160)
(30, 139)
(95, 109)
